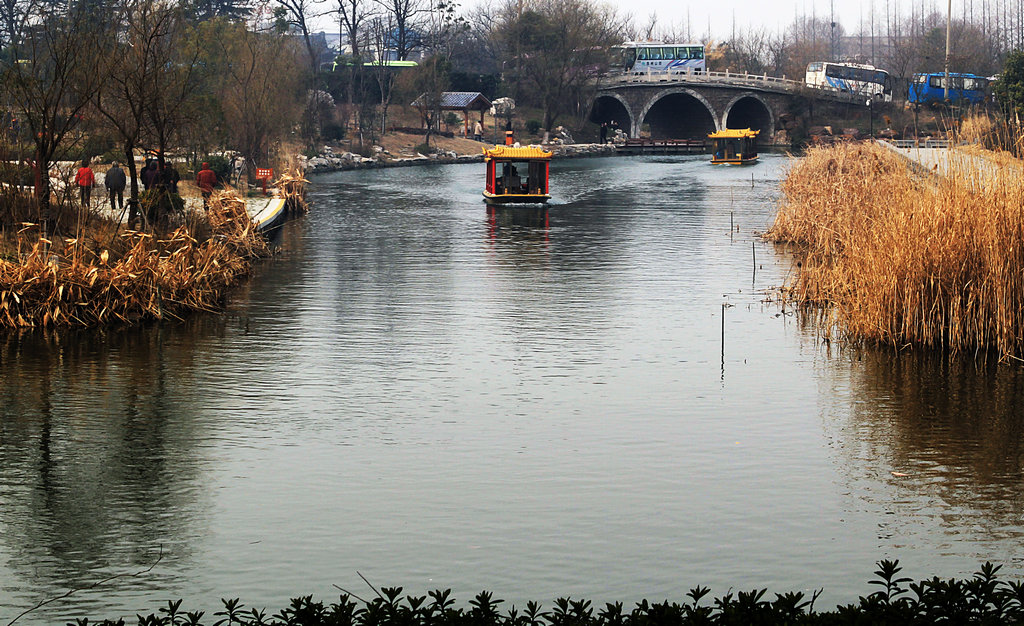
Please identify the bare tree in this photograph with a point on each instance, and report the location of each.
(51, 79)
(405, 17)
(352, 15)
(134, 70)
(561, 47)
(259, 91)
(381, 28)
(298, 14)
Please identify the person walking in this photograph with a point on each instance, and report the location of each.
(171, 177)
(478, 131)
(85, 180)
(149, 175)
(115, 182)
(205, 180)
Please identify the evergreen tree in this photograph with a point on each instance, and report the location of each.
(1009, 89)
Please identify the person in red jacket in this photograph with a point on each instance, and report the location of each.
(206, 179)
(85, 180)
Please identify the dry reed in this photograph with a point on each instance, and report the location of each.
(897, 257)
(292, 185)
(69, 283)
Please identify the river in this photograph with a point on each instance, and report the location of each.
(597, 400)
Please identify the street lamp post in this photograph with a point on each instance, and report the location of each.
(871, 119)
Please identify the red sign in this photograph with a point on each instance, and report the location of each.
(264, 173)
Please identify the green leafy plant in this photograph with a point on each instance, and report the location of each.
(982, 599)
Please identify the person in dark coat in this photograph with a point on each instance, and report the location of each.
(149, 175)
(171, 178)
(115, 182)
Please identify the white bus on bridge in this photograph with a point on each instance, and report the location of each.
(652, 57)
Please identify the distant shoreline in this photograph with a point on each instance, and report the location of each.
(352, 161)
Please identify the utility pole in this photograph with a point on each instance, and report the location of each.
(832, 20)
(949, 18)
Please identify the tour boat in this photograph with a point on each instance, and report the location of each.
(734, 146)
(517, 175)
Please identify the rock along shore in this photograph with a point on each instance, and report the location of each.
(328, 161)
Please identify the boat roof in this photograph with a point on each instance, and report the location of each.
(515, 154)
(733, 133)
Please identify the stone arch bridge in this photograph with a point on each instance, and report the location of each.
(689, 106)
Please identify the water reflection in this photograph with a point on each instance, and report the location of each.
(92, 445)
(944, 437)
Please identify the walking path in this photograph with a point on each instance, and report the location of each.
(942, 159)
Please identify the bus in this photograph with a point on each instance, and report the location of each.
(855, 78)
(963, 88)
(652, 57)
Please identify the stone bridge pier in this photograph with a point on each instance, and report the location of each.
(689, 111)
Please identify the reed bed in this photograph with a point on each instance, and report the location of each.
(899, 257)
(72, 282)
(292, 185)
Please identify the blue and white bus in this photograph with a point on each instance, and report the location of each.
(963, 88)
(855, 78)
(651, 57)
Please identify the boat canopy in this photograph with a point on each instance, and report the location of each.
(734, 133)
(511, 153)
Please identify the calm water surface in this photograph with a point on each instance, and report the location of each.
(594, 400)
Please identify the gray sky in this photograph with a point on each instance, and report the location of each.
(720, 15)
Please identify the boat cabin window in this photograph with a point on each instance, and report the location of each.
(521, 178)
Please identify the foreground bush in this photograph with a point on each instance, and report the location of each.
(981, 599)
(898, 257)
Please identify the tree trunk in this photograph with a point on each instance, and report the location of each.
(133, 179)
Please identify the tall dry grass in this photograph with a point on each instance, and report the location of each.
(899, 257)
(72, 282)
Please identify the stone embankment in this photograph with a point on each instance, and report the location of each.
(329, 161)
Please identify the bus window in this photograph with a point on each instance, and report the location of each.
(974, 84)
(697, 53)
(641, 54)
(814, 67)
(682, 54)
(937, 82)
(628, 59)
(654, 54)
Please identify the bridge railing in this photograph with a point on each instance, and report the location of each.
(701, 77)
(920, 143)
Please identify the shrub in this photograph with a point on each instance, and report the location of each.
(533, 126)
(334, 132)
(982, 599)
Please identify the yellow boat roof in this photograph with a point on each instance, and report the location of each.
(733, 133)
(509, 152)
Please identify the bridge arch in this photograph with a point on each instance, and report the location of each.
(750, 110)
(679, 113)
(612, 107)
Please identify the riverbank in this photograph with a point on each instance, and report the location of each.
(896, 256)
(105, 276)
(399, 150)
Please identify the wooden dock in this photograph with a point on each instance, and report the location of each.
(662, 146)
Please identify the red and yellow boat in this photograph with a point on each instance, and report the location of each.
(734, 146)
(517, 175)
